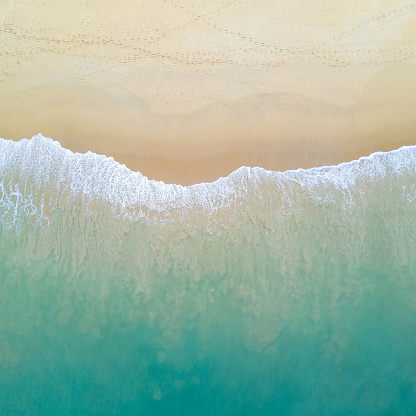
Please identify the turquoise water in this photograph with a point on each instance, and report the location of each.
(263, 293)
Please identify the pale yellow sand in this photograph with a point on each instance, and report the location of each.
(187, 91)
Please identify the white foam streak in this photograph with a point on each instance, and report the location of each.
(131, 195)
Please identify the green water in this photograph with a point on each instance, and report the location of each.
(264, 293)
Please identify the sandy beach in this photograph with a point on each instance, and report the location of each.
(187, 92)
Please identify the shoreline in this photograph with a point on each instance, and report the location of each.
(289, 170)
(195, 91)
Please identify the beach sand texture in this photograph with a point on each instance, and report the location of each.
(189, 91)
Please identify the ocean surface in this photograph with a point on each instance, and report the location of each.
(263, 293)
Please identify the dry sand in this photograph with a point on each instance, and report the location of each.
(187, 91)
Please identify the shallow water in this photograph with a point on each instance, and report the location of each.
(263, 293)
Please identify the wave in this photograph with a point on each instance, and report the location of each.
(39, 163)
(277, 292)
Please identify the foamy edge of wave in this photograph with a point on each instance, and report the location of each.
(133, 195)
(326, 169)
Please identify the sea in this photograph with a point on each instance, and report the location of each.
(262, 293)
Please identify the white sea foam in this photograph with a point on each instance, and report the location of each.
(38, 175)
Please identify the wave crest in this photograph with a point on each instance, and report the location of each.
(38, 176)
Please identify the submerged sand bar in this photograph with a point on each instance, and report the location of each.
(189, 91)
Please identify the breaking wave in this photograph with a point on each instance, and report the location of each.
(260, 293)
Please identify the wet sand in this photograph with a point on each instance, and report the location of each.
(187, 92)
